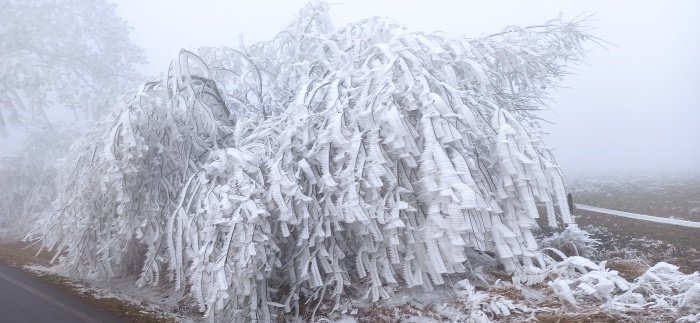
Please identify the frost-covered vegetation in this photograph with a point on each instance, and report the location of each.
(329, 164)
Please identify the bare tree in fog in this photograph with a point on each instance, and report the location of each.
(68, 56)
(71, 53)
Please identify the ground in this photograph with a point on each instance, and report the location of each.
(672, 196)
(629, 246)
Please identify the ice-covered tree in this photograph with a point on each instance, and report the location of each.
(56, 58)
(325, 162)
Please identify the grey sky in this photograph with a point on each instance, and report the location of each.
(633, 108)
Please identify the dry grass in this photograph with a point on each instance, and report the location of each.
(629, 269)
(510, 292)
(383, 314)
(501, 274)
(592, 317)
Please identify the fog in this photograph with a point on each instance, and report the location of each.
(631, 108)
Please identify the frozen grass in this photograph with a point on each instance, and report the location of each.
(582, 317)
(572, 241)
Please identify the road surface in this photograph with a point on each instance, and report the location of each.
(657, 219)
(24, 298)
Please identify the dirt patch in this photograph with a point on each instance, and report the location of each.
(19, 254)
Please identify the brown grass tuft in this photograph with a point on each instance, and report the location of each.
(384, 314)
(628, 269)
(510, 292)
(595, 317)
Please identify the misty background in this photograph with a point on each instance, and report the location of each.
(631, 108)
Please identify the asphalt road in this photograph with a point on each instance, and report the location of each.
(24, 298)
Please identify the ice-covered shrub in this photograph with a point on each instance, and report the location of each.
(690, 318)
(577, 277)
(367, 155)
(661, 288)
(481, 307)
(573, 241)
